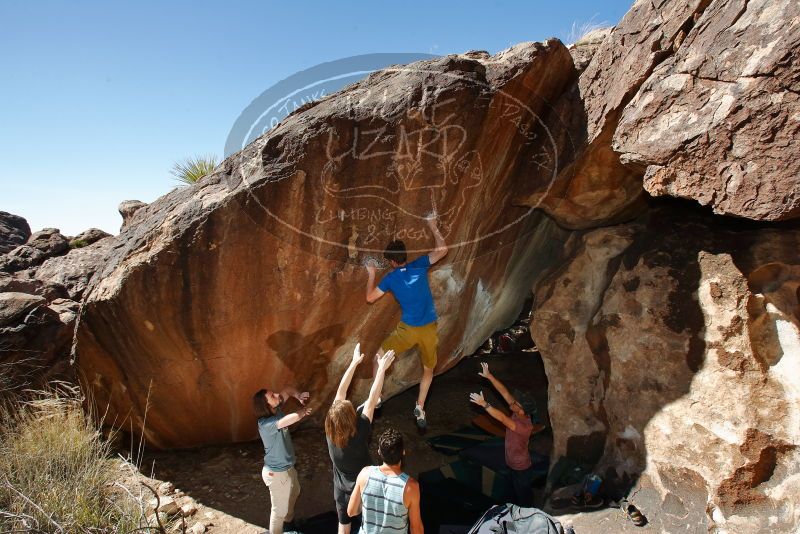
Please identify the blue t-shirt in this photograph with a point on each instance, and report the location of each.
(278, 448)
(409, 284)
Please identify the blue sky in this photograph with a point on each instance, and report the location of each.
(99, 99)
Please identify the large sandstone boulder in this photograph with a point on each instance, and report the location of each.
(35, 340)
(253, 277)
(671, 347)
(720, 124)
(75, 269)
(694, 99)
(14, 231)
(40, 246)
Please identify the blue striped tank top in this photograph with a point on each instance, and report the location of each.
(383, 510)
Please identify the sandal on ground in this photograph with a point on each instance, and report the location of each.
(586, 500)
(633, 513)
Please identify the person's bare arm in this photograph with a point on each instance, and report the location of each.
(354, 506)
(411, 501)
(377, 385)
(373, 291)
(344, 384)
(501, 389)
(478, 399)
(294, 392)
(294, 417)
(440, 250)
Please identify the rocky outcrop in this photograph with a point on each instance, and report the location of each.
(74, 270)
(88, 237)
(127, 209)
(695, 99)
(719, 123)
(35, 340)
(670, 346)
(14, 231)
(253, 277)
(40, 246)
(40, 282)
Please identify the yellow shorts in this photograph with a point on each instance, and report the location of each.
(405, 337)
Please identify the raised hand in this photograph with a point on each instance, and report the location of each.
(302, 397)
(304, 412)
(358, 357)
(484, 372)
(386, 360)
(478, 399)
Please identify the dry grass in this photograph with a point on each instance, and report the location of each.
(57, 474)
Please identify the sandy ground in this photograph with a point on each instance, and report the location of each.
(226, 480)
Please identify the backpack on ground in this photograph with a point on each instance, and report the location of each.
(510, 518)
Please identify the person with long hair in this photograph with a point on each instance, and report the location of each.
(347, 432)
(278, 472)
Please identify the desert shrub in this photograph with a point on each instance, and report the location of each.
(57, 474)
(192, 169)
(78, 243)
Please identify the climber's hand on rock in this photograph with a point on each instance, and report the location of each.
(484, 372)
(478, 399)
(432, 219)
(302, 397)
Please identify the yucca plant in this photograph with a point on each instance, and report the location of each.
(193, 168)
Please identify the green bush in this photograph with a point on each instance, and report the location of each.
(57, 474)
(192, 169)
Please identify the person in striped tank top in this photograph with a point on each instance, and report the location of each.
(385, 496)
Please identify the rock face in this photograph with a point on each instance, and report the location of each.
(253, 278)
(40, 246)
(720, 124)
(671, 347)
(40, 282)
(74, 269)
(696, 99)
(128, 208)
(35, 337)
(14, 231)
(88, 237)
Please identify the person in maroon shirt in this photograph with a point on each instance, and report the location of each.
(518, 432)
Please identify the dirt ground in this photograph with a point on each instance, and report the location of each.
(227, 479)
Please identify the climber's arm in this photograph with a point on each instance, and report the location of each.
(373, 291)
(440, 250)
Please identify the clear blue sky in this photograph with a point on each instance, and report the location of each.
(98, 99)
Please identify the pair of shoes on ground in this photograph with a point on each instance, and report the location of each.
(419, 415)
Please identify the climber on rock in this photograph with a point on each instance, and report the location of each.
(417, 327)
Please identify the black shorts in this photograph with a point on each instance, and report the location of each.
(342, 498)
